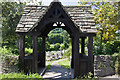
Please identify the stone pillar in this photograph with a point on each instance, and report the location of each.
(90, 55)
(75, 51)
(22, 51)
(83, 45)
(35, 55)
(43, 51)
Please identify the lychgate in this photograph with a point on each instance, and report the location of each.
(37, 21)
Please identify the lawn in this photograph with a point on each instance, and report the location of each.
(65, 63)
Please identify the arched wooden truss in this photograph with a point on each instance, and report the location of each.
(38, 21)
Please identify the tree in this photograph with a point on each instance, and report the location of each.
(57, 46)
(11, 14)
(106, 18)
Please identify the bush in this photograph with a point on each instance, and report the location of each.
(57, 46)
(98, 48)
(108, 48)
(8, 58)
(4, 51)
(47, 46)
(66, 45)
(63, 47)
(116, 62)
(28, 50)
(68, 52)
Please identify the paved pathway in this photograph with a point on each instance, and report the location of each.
(57, 71)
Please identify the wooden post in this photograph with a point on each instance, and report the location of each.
(22, 51)
(90, 55)
(76, 55)
(83, 45)
(72, 60)
(43, 50)
(35, 56)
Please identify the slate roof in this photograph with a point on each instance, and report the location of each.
(80, 15)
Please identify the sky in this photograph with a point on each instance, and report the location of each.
(64, 2)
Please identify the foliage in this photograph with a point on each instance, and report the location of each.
(28, 41)
(66, 37)
(4, 51)
(47, 45)
(48, 66)
(19, 75)
(11, 13)
(57, 46)
(116, 62)
(8, 57)
(63, 47)
(66, 45)
(89, 76)
(55, 36)
(110, 47)
(68, 52)
(107, 22)
(106, 17)
(65, 63)
(58, 35)
(28, 50)
(10, 60)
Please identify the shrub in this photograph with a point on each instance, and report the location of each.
(66, 45)
(28, 50)
(116, 62)
(8, 58)
(63, 47)
(4, 51)
(57, 46)
(98, 48)
(68, 52)
(108, 48)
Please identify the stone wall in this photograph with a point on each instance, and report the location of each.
(8, 69)
(102, 65)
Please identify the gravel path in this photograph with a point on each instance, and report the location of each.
(57, 71)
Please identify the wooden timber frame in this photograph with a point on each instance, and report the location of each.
(57, 14)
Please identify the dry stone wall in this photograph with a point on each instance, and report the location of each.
(103, 65)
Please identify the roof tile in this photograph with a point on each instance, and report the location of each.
(80, 15)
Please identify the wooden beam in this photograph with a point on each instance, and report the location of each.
(43, 50)
(22, 51)
(76, 55)
(72, 60)
(90, 54)
(35, 56)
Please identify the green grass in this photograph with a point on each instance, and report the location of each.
(50, 62)
(65, 63)
(19, 75)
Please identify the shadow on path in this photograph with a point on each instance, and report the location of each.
(57, 71)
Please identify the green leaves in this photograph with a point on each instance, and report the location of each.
(11, 13)
(106, 16)
(19, 75)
